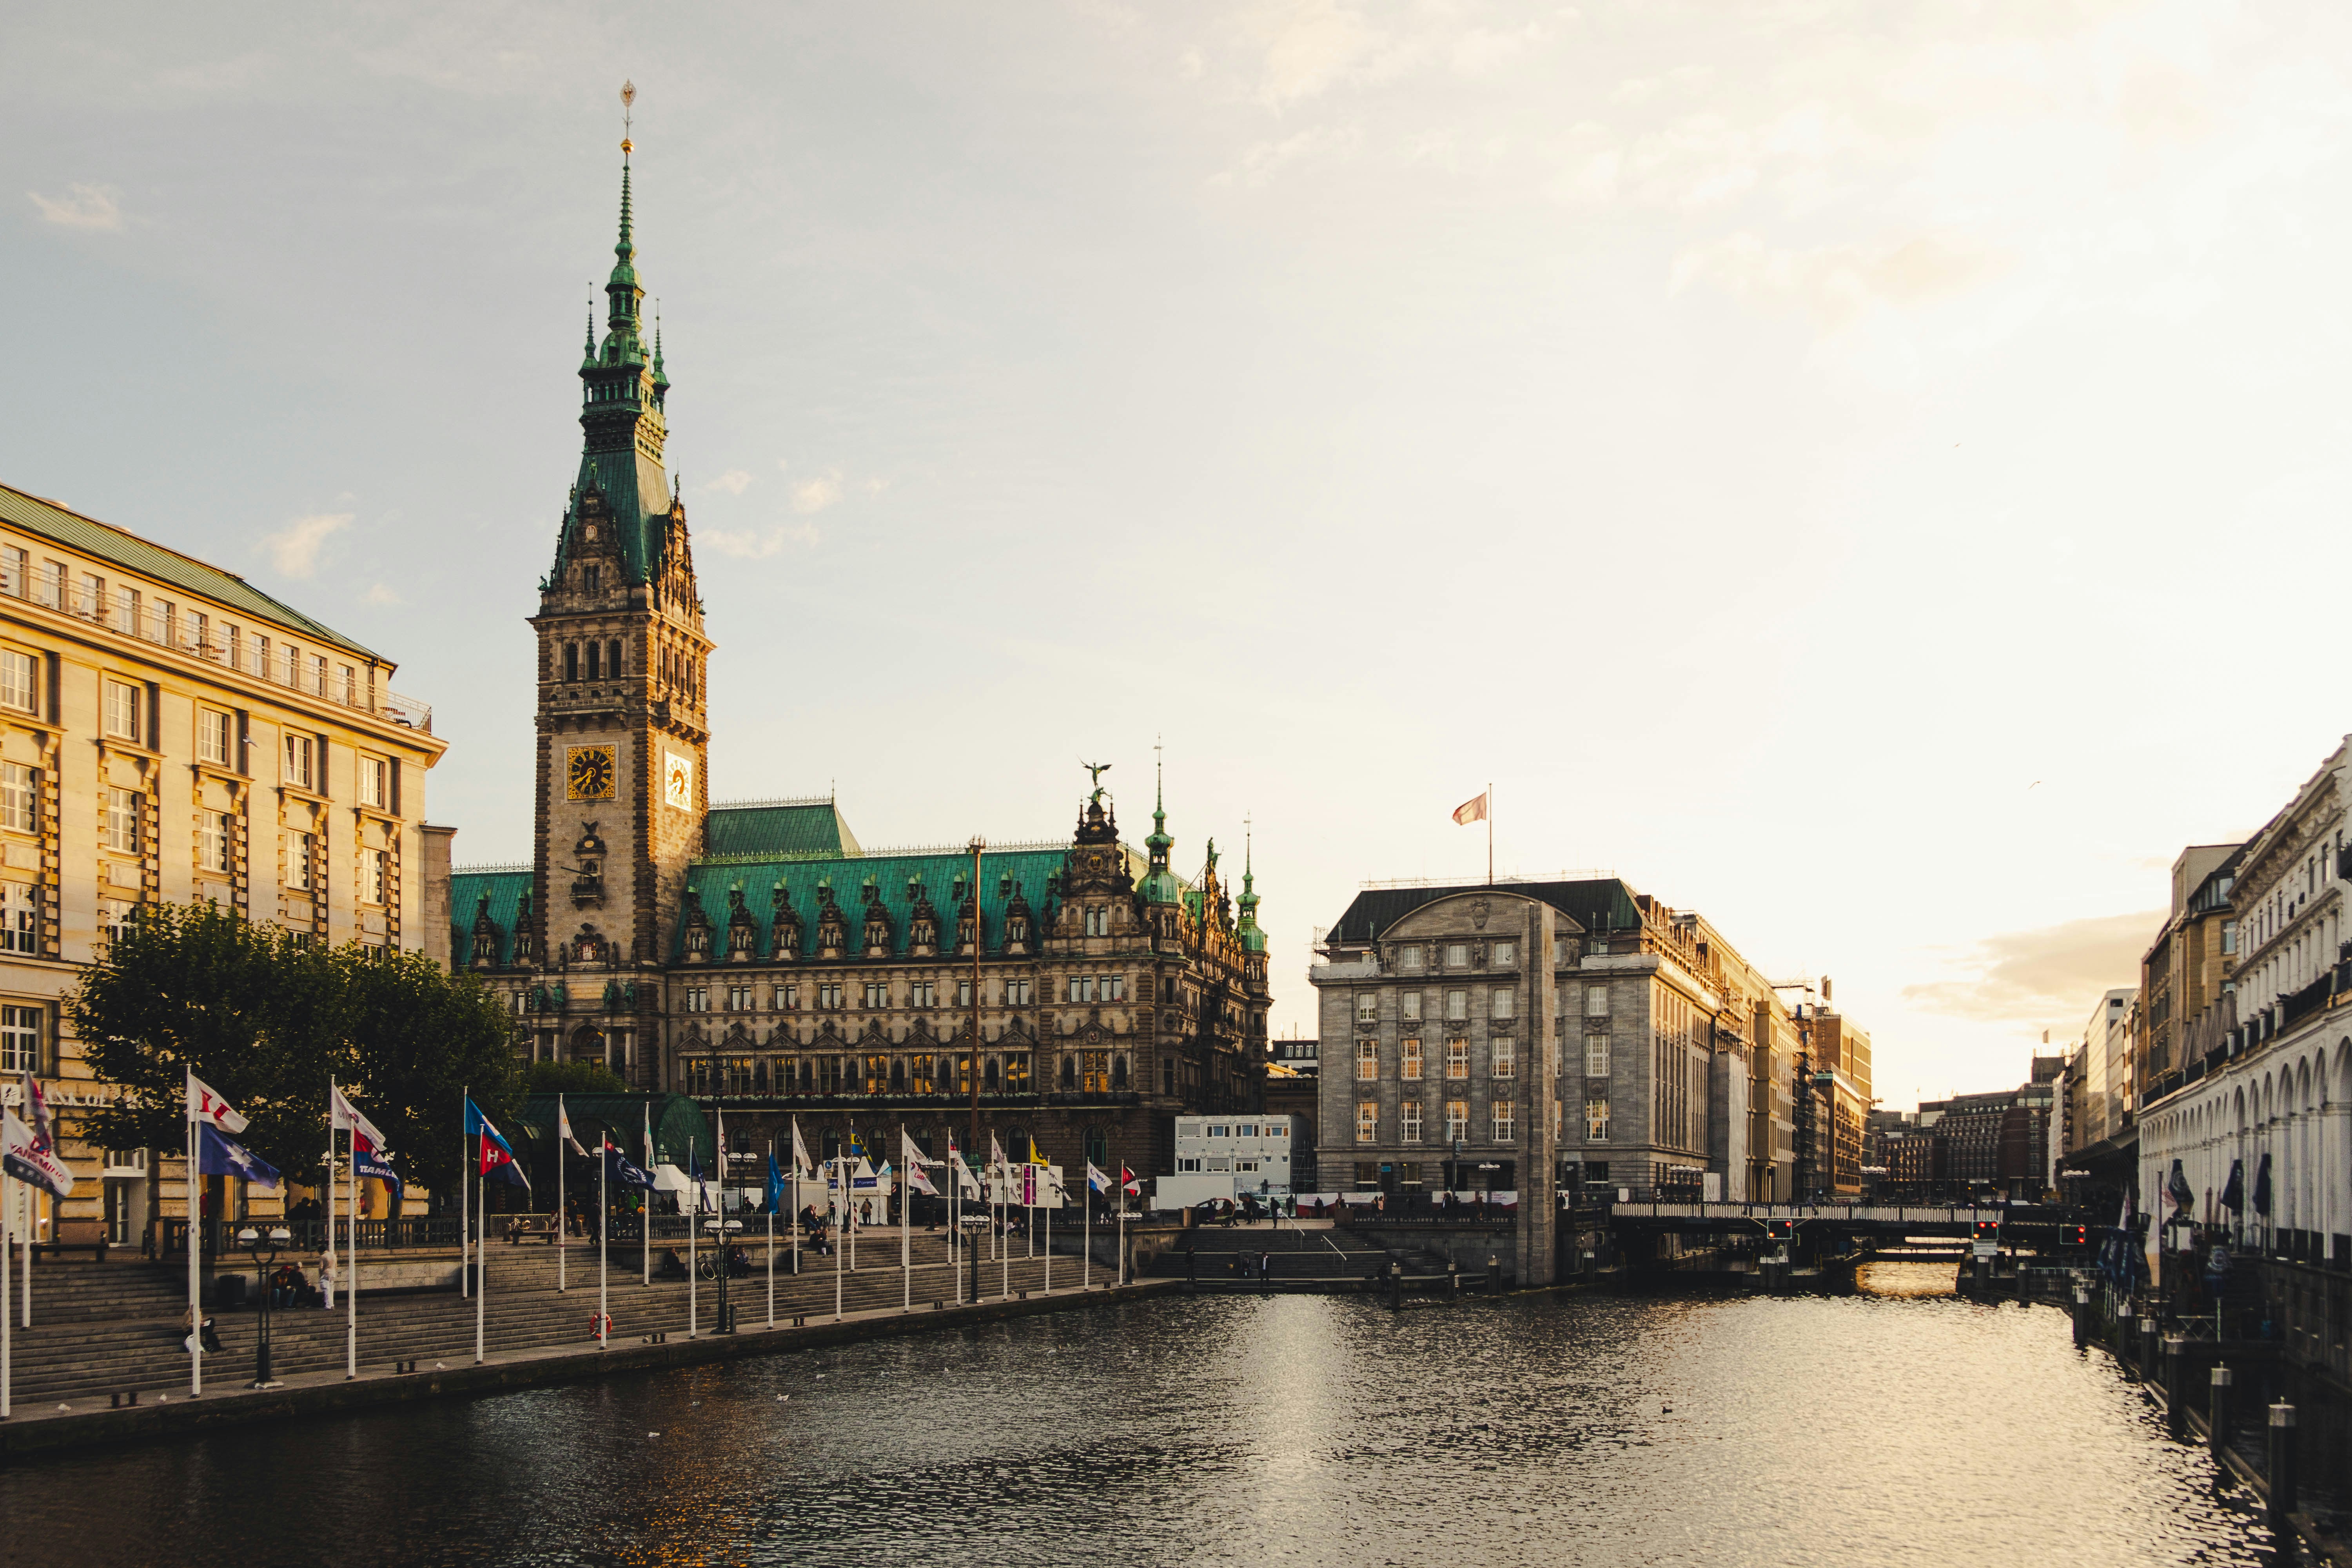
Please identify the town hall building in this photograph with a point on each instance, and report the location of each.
(755, 956)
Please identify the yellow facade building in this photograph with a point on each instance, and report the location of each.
(169, 734)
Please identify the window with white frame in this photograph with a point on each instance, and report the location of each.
(1409, 1060)
(1409, 956)
(1098, 921)
(375, 776)
(1457, 1121)
(17, 685)
(300, 848)
(1368, 1007)
(1457, 955)
(1020, 992)
(89, 596)
(290, 666)
(828, 996)
(122, 825)
(1367, 1059)
(301, 758)
(1458, 1057)
(877, 994)
(375, 876)
(20, 918)
(1504, 1056)
(212, 736)
(211, 841)
(1596, 1001)
(1596, 1119)
(1596, 1055)
(126, 610)
(123, 710)
(1506, 1121)
(1506, 953)
(20, 797)
(114, 916)
(1457, 1005)
(1408, 1006)
(20, 1039)
(1409, 1121)
(1368, 1120)
(1504, 1003)
(317, 675)
(13, 564)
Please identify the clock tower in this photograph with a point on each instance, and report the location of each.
(622, 667)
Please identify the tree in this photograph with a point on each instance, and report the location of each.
(424, 1040)
(246, 1007)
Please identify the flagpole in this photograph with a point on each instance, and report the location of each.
(604, 1245)
(840, 1169)
(465, 1200)
(482, 1254)
(1087, 1241)
(1047, 1209)
(1005, 1253)
(1122, 1222)
(352, 1270)
(7, 1365)
(564, 1126)
(693, 1224)
(795, 1230)
(955, 1217)
(645, 1199)
(771, 1239)
(1490, 833)
(906, 1229)
(195, 1306)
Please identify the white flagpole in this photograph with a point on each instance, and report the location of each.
(1086, 1242)
(645, 1201)
(1006, 1252)
(795, 1224)
(32, 1234)
(562, 1241)
(1046, 1210)
(603, 1247)
(906, 1226)
(195, 1224)
(1122, 1225)
(840, 1223)
(352, 1268)
(6, 1351)
(693, 1224)
(771, 1207)
(482, 1258)
(465, 1201)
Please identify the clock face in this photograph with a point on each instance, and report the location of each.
(678, 781)
(588, 772)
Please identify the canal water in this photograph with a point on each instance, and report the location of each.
(1898, 1425)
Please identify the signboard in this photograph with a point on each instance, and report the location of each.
(1988, 1249)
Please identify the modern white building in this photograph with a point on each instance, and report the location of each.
(2271, 1098)
(1254, 1149)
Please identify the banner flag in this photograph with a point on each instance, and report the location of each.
(219, 1154)
(800, 1167)
(205, 1106)
(25, 1157)
(345, 1117)
(564, 1128)
(1471, 811)
(618, 1166)
(372, 1167)
(1098, 1180)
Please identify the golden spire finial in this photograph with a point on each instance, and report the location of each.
(628, 97)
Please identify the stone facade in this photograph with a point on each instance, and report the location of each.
(170, 734)
(757, 956)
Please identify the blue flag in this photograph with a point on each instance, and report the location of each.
(775, 1187)
(219, 1154)
(618, 1167)
(372, 1168)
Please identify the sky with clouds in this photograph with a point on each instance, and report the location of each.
(1854, 469)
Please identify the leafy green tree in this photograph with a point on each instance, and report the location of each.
(574, 1077)
(423, 1039)
(244, 1006)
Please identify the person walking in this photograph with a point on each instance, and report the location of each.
(327, 1280)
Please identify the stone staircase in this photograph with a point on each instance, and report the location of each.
(107, 1328)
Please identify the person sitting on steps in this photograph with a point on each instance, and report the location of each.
(672, 1266)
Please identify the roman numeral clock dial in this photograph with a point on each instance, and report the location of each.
(588, 772)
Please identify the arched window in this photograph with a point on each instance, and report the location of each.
(613, 659)
(596, 661)
(988, 1079)
(898, 1075)
(1119, 1071)
(571, 662)
(1098, 1146)
(1069, 1071)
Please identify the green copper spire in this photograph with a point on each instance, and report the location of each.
(1253, 940)
(1159, 885)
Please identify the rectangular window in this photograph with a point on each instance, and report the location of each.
(20, 1039)
(1505, 1054)
(13, 564)
(1506, 955)
(1410, 1005)
(923, 994)
(2229, 936)
(1114, 988)
(1098, 921)
(1596, 1119)
(350, 687)
(828, 996)
(1368, 1007)
(1457, 1005)
(212, 737)
(788, 999)
(162, 623)
(126, 611)
(1409, 1061)
(200, 634)
(375, 776)
(877, 994)
(20, 798)
(1596, 1055)
(1457, 1059)
(1020, 992)
(298, 849)
(1368, 1120)
(1457, 1121)
(261, 656)
(317, 675)
(290, 666)
(211, 841)
(1505, 1122)
(375, 876)
(1082, 988)
(1368, 1058)
(49, 587)
(1504, 1004)
(20, 918)
(1596, 1001)
(299, 770)
(1457, 955)
(233, 647)
(963, 992)
(113, 915)
(89, 596)
(16, 687)
(122, 810)
(1409, 1121)
(1409, 956)
(123, 710)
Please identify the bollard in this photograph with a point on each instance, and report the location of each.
(2176, 1407)
(2082, 1316)
(1396, 1287)
(1494, 1274)
(1984, 1279)
(2282, 1471)
(2146, 1348)
(2216, 1412)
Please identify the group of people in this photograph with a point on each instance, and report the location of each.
(672, 1267)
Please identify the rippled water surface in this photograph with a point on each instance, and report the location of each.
(1895, 1427)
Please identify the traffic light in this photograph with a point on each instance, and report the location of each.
(1987, 1230)
(1780, 1230)
(2074, 1235)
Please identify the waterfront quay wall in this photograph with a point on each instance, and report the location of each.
(1471, 1247)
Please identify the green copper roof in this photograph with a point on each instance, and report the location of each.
(780, 828)
(1028, 868)
(21, 509)
(506, 891)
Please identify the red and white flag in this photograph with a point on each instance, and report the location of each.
(204, 1105)
(1471, 811)
(343, 1116)
(1129, 1182)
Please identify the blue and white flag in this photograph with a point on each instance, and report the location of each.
(1098, 1180)
(28, 1158)
(618, 1167)
(373, 1167)
(219, 1154)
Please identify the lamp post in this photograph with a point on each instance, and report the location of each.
(721, 1227)
(255, 1243)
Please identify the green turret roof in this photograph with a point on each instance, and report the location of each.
(1159, 885)
(1253, 940)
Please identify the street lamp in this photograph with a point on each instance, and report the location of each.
(255, 1242)
(721, 1228)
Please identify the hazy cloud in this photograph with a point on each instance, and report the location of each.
(2038, 976)
(1835, 282)
(82, 206)
(382, 593)
(295, 550)
(755, 544)
(733, 482)
(816, 494)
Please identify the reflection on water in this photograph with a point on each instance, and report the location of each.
(1897, 1425)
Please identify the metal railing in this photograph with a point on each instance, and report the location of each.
(168, 1238)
